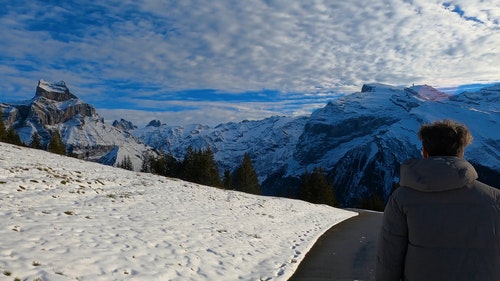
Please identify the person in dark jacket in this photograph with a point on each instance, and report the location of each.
(441, 223)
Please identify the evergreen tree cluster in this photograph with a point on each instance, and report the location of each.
(315, 188)
(3, 131)
(56, 144)
(126, 163)
(373, 202)
(245, 179)
(8, 135)
(199, 166)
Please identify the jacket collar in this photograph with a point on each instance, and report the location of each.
(438, 173)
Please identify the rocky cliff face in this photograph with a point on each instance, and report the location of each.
(49, 106)
(84, 133)
(56, 92)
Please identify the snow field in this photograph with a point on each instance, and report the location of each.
(67, 219)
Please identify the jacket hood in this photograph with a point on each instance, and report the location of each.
(433, 174)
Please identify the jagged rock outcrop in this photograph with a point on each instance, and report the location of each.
(56, 91)
(154, 123)
(49, 107)
(124, 125)
(84, 133)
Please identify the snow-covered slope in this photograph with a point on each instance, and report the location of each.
(84, 133)
(66, 219)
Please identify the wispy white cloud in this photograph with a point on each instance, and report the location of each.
(119, 48)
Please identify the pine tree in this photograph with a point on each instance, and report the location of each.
(316, 189)
(305, 189)
(146, 164)
(245, 178)
(199, 166)
(154, 164)
(3, 130)
(209, 173)
(56, 144)
(36, 141)
(373, 202)
(164, 165)
(13, 137)
(188, 165)
(227, 181)
(126, 163)
(171, 166)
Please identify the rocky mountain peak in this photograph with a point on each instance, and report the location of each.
(54, 91)
(426, 92)
(154, 123)
(83, 131)
(52, 104)
(124, 125)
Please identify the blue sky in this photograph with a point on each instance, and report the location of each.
(208, 62)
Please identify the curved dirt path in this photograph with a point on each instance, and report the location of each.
(345, 252)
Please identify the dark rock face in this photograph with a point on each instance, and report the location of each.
(124, 125)
(55, 92)
(45, 112)
(154, 123)
(319, 138)
(49, 107)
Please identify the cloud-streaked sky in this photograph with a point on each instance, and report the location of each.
(208, 62)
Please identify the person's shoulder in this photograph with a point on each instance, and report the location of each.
(401, 195)
(487, 190)
(403, 190)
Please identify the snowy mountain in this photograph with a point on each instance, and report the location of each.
(66, 219)
(359, 140)
(84, 133)
(270, 142)
(362, 138)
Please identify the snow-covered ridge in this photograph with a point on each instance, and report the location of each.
(271, 140)
(56, 92)
(68, 219)
(426, 92)
(58, 87)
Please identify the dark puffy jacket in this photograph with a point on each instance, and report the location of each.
(441, 224)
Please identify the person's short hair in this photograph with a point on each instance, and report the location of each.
(445, 138)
